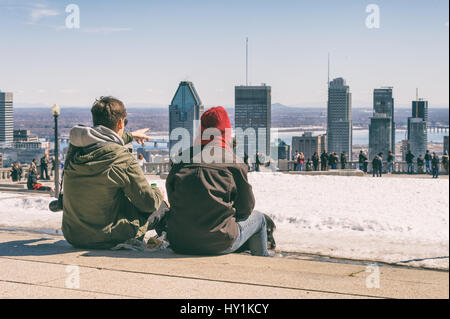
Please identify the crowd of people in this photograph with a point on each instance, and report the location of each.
(32, 177)
(325, 161)
(428, 164)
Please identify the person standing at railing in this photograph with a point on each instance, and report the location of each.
(428, 159)
(377, 165)
(420, 164)
(435, 165)
(343, 160)
(361, 159)
(390, 163)
(300, 161)
(44, 167)
(316, 160)
(141, 161)
(294, 158)
(324, 161)
(409, 160)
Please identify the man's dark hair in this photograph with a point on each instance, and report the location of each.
(108, 111)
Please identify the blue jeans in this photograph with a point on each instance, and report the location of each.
(410, 168)
(390, 167)
(299, 167)
(428, 166)
(252, 230)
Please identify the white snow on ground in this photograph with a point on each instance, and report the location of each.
(395, 220)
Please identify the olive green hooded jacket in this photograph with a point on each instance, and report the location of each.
(107, 199)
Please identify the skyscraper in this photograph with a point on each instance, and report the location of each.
(417, 127)
(6, 118)
(253, 111)
(380, 135)
(339, 126)
(383, 102)
(185, 112)
(381, 141)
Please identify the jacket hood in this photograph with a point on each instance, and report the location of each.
(84, 136)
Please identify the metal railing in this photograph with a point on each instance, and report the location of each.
(399, 167)
(156, 168)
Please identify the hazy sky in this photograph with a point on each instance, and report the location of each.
(140, 50)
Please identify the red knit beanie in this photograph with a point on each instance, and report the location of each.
(216, 117)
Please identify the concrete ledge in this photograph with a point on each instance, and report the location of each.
(22, 191)
(335, 172)
(37, 265)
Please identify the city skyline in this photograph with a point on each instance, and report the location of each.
(46, 63)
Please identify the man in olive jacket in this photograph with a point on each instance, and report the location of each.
(107, 199)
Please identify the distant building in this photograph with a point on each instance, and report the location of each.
(308, 144)
(24, 136)
(339, 124)
(420, 109)
(417, 127)
(383, 103)
(445, 144)
(253, 111)
(24, 148)
(6, 118)
(282, 149)
(380, 135)
(185, 111)
(417, 132)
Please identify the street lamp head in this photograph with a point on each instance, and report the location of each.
(56, 110)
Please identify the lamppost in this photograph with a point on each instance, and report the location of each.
(56, 110)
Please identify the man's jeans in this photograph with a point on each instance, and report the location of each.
(428, 166)
(410, 168)
(252, 230)
(390, 167)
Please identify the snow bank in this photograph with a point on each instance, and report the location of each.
(395, 220)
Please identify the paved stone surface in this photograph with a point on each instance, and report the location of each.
(36, 265)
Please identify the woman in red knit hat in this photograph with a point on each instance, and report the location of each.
(210, 197)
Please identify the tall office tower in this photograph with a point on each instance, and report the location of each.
(380, 135)
(339, 128)
(420, 109)
(253, 106)
(383, 103)
(309, 144)
(6, 118)
(417, 127)
(417, 132)
(185, 112)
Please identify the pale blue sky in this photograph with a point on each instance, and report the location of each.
(140, 50)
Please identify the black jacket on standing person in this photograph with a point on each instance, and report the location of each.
(409, 157)
(362, 157)
(315, 160)
(390, 157)
(435, 162)
(324, 159)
